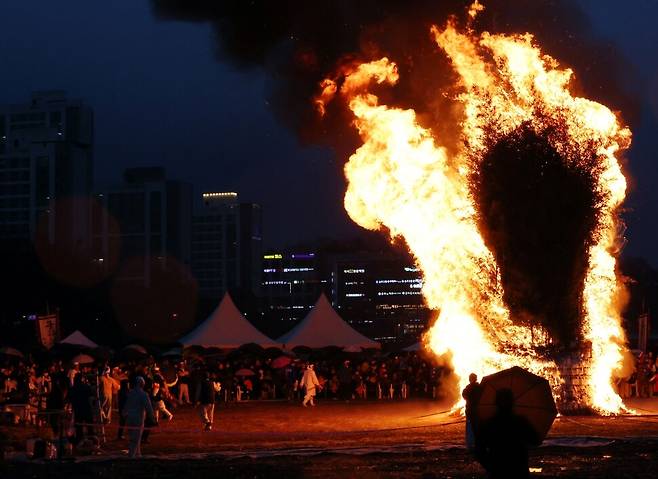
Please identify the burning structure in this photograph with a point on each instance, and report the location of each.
(516, 230)
(476, 149)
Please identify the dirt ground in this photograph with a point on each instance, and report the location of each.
(412, 439)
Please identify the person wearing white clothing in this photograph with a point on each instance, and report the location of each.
(311, 384)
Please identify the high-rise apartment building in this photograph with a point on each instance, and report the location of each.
(226, 245)
(46, 167)
(144, 223)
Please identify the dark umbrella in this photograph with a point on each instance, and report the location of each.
(193, 352)
(103, 353)
(533, 399)
(272, 353)
(251, 348)
(11, 352)
(302, 351)
(134, 352)
(245, 372)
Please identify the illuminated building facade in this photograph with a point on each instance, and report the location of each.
(380, 295)
(292, 283)
(226, 245)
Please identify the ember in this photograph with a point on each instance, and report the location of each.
(517, 107)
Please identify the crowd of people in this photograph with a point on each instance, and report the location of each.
(643, 381)
(75, 400)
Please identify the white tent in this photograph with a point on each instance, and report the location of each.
(323, 327)
(78, 339)
(226, 328)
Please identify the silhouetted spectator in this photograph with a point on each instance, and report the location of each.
(345, 381)
(471, 395)
(136, 410)
(205, 397)
(55, 403)
(81, 396)
(503, 440)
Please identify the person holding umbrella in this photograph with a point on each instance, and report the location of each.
(515, 412)
(504, 440)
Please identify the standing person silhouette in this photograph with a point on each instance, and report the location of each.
(471, 395)
(503, 440)
(136, 410)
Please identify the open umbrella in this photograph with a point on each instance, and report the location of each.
(134, 352)
(252, 348)
(244, 372)
(103, 353)
(272, 352)
(533, 399)
(137, 348)
(11, 352)
(281, 362)
(173, 352)
(83, 359)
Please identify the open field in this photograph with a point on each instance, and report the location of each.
(359, 439)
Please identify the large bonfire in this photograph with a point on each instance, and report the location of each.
(404, 179)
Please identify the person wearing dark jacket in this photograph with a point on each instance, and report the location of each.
(205, 397)
(81, 396)
(55, 403)
(471, 395)
(345, 381)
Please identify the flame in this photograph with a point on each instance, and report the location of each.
(403, 178)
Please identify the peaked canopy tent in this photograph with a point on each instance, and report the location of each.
(226, 328)
(323, 327)
(78, 339)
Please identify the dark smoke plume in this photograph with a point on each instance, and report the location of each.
(297, 43)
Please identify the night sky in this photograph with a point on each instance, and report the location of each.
(161, 97)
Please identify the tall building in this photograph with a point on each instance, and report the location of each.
(380, 294)
(292, 283)
(46, 166)
(226, 245)
(145, 222)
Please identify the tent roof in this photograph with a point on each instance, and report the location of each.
(78, 339)
(225, 328)
(323, 327)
